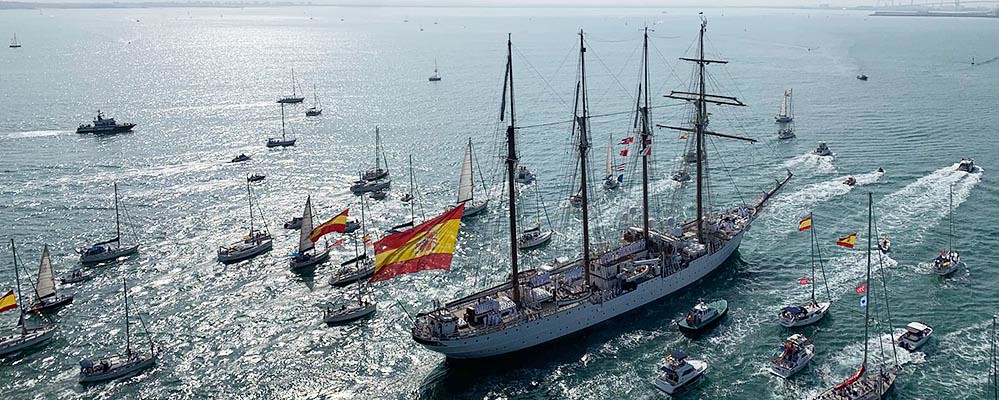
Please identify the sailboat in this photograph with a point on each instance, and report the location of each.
(612, 179)
(410, 199)
(294, 97)
(316, 108)
(46, 298)
(866, 384)
(535, 236)
(435, 77)
(785, 114)
(361, 266)
(466, 187)
(255, 243)
(376, 178)
(307, 256)
(27, 337)
(283, 141)
(536, 306)
(120, 366)
(812, 311)
(110, 249)
(346, 312)
(409, 196)
(948, 260)
(14, 43)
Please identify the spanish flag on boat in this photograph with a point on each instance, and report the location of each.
(805, 224)
(848, 241)
(428, 246)
(8, 302)
(336, 224)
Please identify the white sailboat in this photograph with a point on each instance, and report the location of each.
(785, 114)
(466, 187)
(293, 97)
(27, 337)
(436, 76)
(46, 297)
(316, 108)
(307, 255)
(813, 310)
(110, 249)
(377, 178)
(361, 266)
(15, 44)
(612, 179)
(948, 260)
(120, 366)
(255, 243)
(283, 141)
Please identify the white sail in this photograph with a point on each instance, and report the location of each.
(304, 243)
(465, 184)
(610, 159)
(785, 104)
(46, 283)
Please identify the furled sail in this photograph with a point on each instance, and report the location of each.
(46, 283)
(304, 242)
(465, 184)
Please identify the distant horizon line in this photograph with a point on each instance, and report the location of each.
(26, 5)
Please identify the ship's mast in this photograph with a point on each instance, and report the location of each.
(646, 137)
(412, 200)
(812, 243)
(867, 284)
(950, 238)
(117, 218)
(584, 146)
(511, 162)
(17, 278)
(282, 121)
(249, 198)
(128, 340)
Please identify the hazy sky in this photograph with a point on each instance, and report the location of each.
(535, 3)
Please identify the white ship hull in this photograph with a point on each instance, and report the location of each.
(587, 314)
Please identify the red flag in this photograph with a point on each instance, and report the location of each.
(861, 289)
(627, 140)
(647, 151)
(337, 243)
(803, 281)
(335, 224)
(624, 153)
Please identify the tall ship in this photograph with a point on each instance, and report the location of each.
(104, 126)
(536, 306)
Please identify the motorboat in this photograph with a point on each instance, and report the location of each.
(966, 165)
(884, 244)
(915, 336)
(241, 158)
(703, 316)
(946, 263)
(533, 238)
(351, 226)
(806, 314)
(792, 356)
(678, 372)
(785, 134)
(850, 181)
(104, 126)
(348, 312)
(78, 275)
(295, 223)
(523, 175)
(255, 178)
(862, 77)
(681, 176)
(822, 150)
(576, 200)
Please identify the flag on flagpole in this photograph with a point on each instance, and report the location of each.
(647, 151)
(683, 137)
(805, 224)
(624, 153)
(848, 241)
(627, 140)
(428, 246)
(861, 289)
(8, 302)
(620, 167)
(335, 224)
(803, 281)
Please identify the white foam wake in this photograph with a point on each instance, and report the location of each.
(34, 134)
(787, 208)
(820, 164)
(920, 205)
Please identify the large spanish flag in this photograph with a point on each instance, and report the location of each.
(428, 246)
(8, 302)
(848, 241)
(805, 224)
(335, 224)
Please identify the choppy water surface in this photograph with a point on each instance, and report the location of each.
(201, 84)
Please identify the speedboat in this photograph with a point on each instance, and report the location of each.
(379, 194)
(306, 260)
(966, 165)
(356, 269)
(850, 181)
(406, 198)
(807, 314)
(681, 176)
(533, 237)
(785, 134)
(862, 77)
(473, 208)
(26, 339)
(703, 316)
(915, 336)
(678, 372)
(348, 312)
(884, 244)
(523, 175)
(78, 275)
(241, 158)
(255, 178)
(822, 150)
(115, 367)
(104, 126)
(252, 245)
(792, 356)
(295, 223)
(946, 263)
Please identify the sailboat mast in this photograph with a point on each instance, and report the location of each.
(378, 149)
(282, 121)
(511, 163)
(364, 226)
(293, 83)
(701, 121)
(584, 145)
(812, 245)
(412, 201)
(646, 138)
(950, 238)
(17, 279)
(249, 198)
(867, 284)
(128, 340)
(117, 218)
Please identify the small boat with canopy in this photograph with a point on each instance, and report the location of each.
(792, 356)
(677, 372)
(703, 316)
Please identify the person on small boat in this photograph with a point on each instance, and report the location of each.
(881, 170)
(850, 181)
(884, 245)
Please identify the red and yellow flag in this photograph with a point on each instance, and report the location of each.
(8, 302)
(848, 241)
(805, 224)
(335, 224)
(428, 246)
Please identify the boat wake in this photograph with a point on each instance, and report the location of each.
(921, 205)
(820, 164)
(35, 134)
(791, 205)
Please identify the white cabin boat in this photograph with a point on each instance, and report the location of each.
(792, 356)
(915, 336)
(678, 372)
